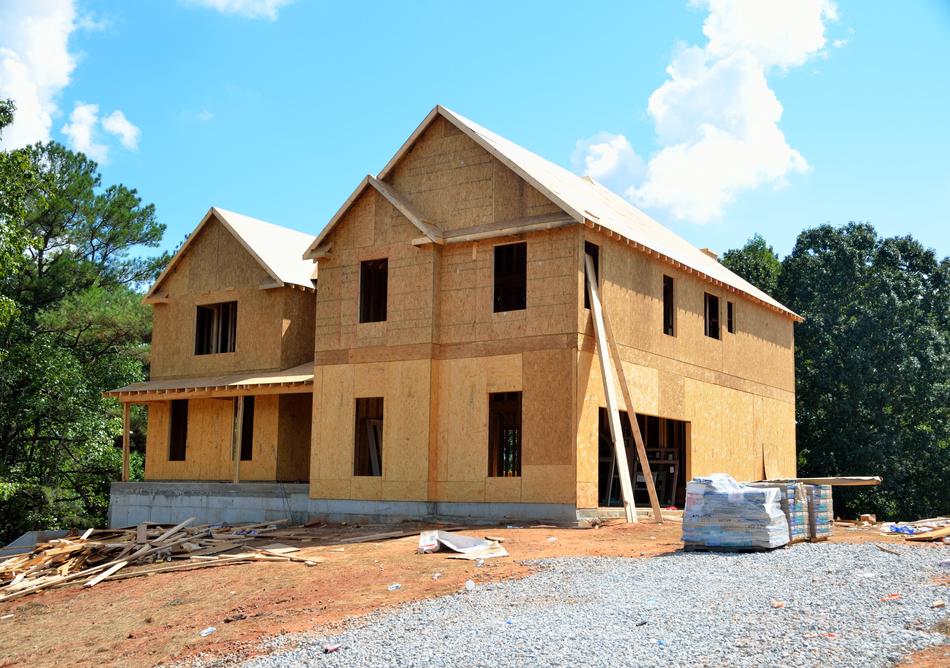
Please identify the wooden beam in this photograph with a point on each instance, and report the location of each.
(616, 432)
(126, 446)
(237, 433)
(634, 425)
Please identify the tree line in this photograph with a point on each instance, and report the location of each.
(872, 357)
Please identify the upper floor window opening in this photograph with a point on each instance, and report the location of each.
(216, 328)
(511, 277)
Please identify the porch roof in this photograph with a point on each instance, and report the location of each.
(294, 379)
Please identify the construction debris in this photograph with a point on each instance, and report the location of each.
(105, 554)
(931, 529)
(466, 546)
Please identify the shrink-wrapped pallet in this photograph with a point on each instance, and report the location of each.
(721, 513)
(794, 502)
(820, 511)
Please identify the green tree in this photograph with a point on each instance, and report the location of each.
(872, 366)
(16, 179)
(77, 328)
(756, 262)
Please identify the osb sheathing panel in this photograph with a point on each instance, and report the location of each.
(297, 327)
(730, 430)
(761, 349)
(293, 437)
(373, 229)
(459, 472)
(263, 462)
(207, 444)
(404, 387)
(216, 268)
(281, 438)
(466, 294)
(458, 184)
(443, 455)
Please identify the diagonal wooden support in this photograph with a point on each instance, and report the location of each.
(616, 433)
(634, 425)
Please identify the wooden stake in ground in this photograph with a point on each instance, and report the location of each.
(634, 425)
(616, 433)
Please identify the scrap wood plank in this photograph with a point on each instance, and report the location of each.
(936, 534)
(106, 573)
(616, 431)
(175, 529)
(634, 423)
(52, 581)
(287, 556)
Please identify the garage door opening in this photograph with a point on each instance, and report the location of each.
(665, 441)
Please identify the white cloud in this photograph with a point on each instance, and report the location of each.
(117, 124)
(608, 158)
(781, 33)
(716, 118)
(251, 9)
(81, 132)
(35, 64)
(204, 115)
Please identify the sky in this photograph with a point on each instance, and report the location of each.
(719, 118)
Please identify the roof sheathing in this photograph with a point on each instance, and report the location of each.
(274, 248)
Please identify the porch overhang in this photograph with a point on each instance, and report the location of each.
(295, 380)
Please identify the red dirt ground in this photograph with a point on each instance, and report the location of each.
(156, 619)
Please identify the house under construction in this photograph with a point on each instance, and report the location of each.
(432, 352)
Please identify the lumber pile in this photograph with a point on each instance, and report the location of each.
(103, 554)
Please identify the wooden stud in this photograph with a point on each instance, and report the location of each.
(237, 432)
(616, 432)
(126, 446)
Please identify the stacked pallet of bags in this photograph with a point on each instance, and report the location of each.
(795, 502)
(721, 513)
(820, 511)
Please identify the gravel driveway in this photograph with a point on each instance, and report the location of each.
(695, 609)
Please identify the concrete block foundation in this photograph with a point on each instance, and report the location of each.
(211, 502)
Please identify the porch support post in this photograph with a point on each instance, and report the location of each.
(125, 441)
(237, 437)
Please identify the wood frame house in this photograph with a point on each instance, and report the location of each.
(450, 366)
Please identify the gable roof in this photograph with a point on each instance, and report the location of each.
(589, 203)
(398, 201)
(276, 249)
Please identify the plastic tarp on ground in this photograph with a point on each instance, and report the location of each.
(467, 547)
(722, 513)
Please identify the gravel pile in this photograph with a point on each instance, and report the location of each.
(694, 609)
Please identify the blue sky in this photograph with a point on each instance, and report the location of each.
(281, 115)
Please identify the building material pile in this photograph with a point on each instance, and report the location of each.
(820, 511)
(102, 554)
(722, 514)
(794, 500)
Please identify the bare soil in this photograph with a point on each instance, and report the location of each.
(157, 619)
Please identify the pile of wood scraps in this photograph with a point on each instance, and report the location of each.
(932, 529)
(110, 554)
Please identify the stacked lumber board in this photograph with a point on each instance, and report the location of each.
(108, 554)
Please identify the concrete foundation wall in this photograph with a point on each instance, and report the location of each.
(211, 502)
